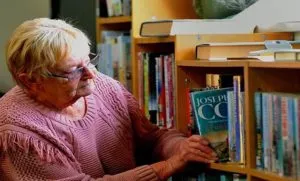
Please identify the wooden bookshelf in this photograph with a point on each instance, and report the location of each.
(115, 23)
(261, 175)
(150, 40)
(265, 76)
(112, 23)
(113, 20)
(229, 167)
(258, 76)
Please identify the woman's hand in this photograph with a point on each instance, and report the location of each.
(194, 148)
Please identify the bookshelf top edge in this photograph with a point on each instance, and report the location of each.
(236, 168)
(152, 40)
(238, 63)
(113, 20)
(269, 176)
(287, 64)
(206, 63)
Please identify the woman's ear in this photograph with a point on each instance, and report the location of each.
(30, 83)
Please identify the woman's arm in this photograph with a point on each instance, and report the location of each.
(27, 158)
(167, 144)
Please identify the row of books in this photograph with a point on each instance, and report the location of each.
(156, 87)
(217, 112)
(212, 176)
(277, 132)
(115, 59)
(109, 8)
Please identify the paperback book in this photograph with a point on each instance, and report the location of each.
(210, 110)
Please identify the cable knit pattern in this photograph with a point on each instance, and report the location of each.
(37, 143)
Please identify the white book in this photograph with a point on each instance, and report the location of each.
(262, 16)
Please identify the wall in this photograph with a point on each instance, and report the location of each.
(12, 13)
(82, 15)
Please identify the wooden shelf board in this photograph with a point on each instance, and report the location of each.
(269, 176)
(290, 64)
(206, 63)
(150, 40)
(229, 167)
(114, 20)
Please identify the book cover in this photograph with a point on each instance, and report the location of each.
(210, 110)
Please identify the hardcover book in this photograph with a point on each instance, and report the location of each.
(210, 110)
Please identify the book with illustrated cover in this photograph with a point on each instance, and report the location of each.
(210, 110)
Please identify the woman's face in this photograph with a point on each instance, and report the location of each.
(70, 79)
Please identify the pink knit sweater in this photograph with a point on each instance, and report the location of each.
(37, 143)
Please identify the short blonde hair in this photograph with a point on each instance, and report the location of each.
(39, 44)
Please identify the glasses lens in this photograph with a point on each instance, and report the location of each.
(94, 58)
(76, 73)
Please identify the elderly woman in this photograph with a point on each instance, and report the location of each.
(65, 121)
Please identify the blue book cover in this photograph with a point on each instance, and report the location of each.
(210, 110)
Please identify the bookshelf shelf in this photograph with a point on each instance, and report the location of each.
(268, 176)
(288, 65)
(206, 63)
(113, 20)
(190, 73)
(152, 40)
(229, 167)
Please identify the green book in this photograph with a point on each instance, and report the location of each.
(210, 110)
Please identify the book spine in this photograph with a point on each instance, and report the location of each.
(167, 89)
(141, 79)
(238, 117)
(297, 135)
(284, 133)
(277, 143)
(231, 126)
(271, 154)
(146, 85)
(259, 143)
(265, 116)
(291, 163)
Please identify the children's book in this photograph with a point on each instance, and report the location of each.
(210, 110)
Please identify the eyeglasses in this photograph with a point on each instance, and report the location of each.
(94, 60)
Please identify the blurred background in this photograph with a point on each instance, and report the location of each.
(13, 12)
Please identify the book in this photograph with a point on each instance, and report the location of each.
(234, 50)
(169, 27)
(223, 50)
(210, 111)
(276, 55)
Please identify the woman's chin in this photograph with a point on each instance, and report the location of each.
(86, 89)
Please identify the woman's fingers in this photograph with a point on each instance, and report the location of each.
(198, 155)
(203, 148)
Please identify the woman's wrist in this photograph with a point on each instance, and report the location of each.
(165, 169)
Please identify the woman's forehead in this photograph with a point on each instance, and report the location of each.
(73, 60)
(80, 48)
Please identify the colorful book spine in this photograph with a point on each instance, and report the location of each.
(291, 162)
(265, 118)
(259, 130)
(297, 134)
(277, 141)
(231, 126)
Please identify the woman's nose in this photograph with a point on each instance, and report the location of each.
(89, 73)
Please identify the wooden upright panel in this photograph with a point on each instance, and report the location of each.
(144, 10)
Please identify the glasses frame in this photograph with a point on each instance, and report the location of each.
(93, 62)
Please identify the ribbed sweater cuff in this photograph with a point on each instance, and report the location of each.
(146, 173)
